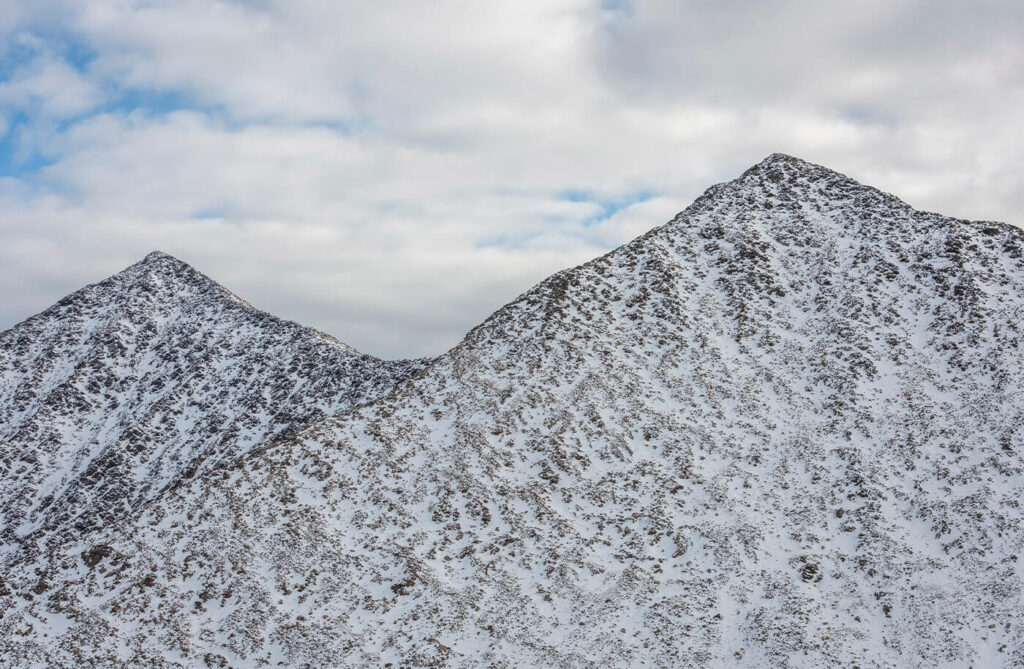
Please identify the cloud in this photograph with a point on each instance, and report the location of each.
(49, 88)
(394, 172)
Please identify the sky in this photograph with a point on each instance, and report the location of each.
(393, 172)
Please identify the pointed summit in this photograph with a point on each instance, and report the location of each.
(158, 260)
(161, 277)
(778, 192)
(785, 158)
(154, 256)
(161, 260)
(145, 379)
(783, 168)
(779, 160)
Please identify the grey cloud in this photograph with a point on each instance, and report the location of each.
(393, 172)
(891, 54)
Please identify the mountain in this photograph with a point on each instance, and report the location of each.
(784, 429)
(133, 385)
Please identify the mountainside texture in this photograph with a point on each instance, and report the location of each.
(784, 429)
(135, 384)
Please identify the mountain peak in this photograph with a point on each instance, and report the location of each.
(161, 274)
(784, 183)
(778, 157)
(158, 256)
(160, 261)
(152, 376)
(778, 167)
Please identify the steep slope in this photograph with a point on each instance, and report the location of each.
(134, 384)
(784, 429)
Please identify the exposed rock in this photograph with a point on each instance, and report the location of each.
(661, 438)
(131, 386)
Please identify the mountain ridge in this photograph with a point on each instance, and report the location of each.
(784, 429)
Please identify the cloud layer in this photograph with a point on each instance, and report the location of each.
(393, 172)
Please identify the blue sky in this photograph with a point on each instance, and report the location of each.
(393, 172)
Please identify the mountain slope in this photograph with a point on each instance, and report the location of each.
(783, 429)
(134, 384)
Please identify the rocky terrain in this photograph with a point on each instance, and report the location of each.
(129, 387)
(784, 429)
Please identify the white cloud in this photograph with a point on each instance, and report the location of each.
(393, 172)
(49, 88)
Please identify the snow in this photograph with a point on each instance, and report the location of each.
(784, 429)
(131, 386)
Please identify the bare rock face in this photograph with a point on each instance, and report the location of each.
(784, 429)
(131, 386)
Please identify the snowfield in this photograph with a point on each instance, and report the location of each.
(784, 429)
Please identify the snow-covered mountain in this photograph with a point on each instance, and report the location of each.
(784, 429)
(135, 384)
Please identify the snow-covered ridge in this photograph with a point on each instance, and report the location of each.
(784, 429)
(129, 386)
